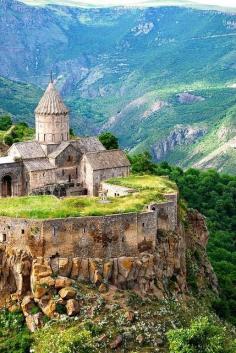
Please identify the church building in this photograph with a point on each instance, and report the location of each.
(55, 165)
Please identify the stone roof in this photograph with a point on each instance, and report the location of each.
(51, 103)
(63, 145)
(88, 144)
(107, 159)
(28, 150)
(37, 165)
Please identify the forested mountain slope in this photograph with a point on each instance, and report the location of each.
(161, 79)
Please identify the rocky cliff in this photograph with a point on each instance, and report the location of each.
(177, 266)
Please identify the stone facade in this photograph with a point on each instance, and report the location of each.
(98, 236)
(54, 164)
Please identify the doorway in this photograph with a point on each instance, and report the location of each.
(7, 186)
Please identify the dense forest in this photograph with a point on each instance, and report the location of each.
(214, 195)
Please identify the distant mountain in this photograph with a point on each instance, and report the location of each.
(19, 99)
(162, 79)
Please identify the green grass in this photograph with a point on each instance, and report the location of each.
(149, 188)
(146, 182)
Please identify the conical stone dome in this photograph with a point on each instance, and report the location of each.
(51, 118)
(51, 103)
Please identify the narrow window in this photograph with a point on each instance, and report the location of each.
(69, 178)
(143, 224)
(22, 231)
(44, 137)
(53, 231)
(84, 230)
(63, 172)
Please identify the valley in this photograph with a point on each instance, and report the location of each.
(161, 79)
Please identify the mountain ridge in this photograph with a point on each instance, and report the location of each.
(140, 73)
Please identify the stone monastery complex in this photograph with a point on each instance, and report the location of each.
(54, 164)
(143, 249)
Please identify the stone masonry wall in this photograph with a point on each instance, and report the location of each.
(95, 236)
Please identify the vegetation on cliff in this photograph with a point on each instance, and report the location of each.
(147, 189)
(214, 195)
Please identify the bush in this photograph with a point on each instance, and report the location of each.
(14, 335)
(56, 339)
(8, 140)
(203, 336)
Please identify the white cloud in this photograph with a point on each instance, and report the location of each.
(223, 3)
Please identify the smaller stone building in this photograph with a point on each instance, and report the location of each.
(54, 164)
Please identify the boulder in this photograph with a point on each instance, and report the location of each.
(84, 270)
(130, 316)
(76, 264)
(61, 282)
(34, 322)
(103, 288)
(67, 293)
(125, 265)
(27, 305)
(50, 309)
(95, 271)
(72, 307)
(107, 270)
(39, 291)
(117, 342)
(47, 281)
(64, 267)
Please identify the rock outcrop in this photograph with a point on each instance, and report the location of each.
(181, 135)
(48, 286)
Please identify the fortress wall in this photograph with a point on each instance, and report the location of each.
(108, 236)
(22, 234)
(95, 237)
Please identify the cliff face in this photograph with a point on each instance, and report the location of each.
(177, 265)
(181, 135)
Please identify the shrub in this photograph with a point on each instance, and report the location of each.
(56, 339)
(8, 139)
(14, 336)
(203, 336)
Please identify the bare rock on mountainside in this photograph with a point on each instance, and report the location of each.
(188, 98)
(181, 135)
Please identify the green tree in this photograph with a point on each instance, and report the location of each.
(203, 336)
(142, 163)
(109, 141)
(5, 122)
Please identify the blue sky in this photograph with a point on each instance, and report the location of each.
(223, 3)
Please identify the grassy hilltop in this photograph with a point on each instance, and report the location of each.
(148, 189)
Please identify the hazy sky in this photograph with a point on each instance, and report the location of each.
(224, 3)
